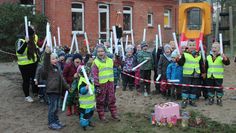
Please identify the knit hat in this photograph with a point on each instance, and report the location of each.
(54, 55)
(129, 48)
(167, 46)
(61, 53)
(143, 44)
(174, 54)
(76, 56)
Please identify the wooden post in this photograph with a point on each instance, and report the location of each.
(231, 32)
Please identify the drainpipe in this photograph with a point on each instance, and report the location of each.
(43, 7)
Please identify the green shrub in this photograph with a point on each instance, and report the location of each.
(12, 24)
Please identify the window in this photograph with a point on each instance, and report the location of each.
(150, 19)
(28, 4)
(194, 19)
(103, 19)
(127, 19)
(167, 18)
(77, 10)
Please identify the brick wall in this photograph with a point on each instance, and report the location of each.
(59, 14)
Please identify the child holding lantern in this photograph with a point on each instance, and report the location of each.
(215, 73)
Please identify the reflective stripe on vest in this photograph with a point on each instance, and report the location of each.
(105, 70)
(191, 64)
(215, 68)
(22, 59)
(86, 101)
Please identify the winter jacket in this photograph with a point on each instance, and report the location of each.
(127, 65)
(162, 66)
(174, 72)
(141, 56)
(52, 74)
(68, 72)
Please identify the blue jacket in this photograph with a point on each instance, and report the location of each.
(174, 72)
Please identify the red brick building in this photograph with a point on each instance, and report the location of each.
(96, 17)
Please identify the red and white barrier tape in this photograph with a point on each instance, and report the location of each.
(185, 85)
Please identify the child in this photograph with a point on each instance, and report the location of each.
(145, 69)
(102, 70)
(61, 60)
(164, 61)
(41, 84)
(55, 83)
(192, 69)
(86, 101)
(215, 73)
(69, 73)
(127, 67)
(175, 72)
(172, 45)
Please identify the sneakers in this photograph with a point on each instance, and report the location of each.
(145, 94)
(29, 99)
(61, 124)
(54, 126)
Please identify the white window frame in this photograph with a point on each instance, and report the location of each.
(103, 10)
(168, 14)
(130, 12)
(150, 24)
(80, 11)
(31, 6)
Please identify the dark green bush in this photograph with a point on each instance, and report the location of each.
(12, 25)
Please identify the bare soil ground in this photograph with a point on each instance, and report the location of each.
(17, 116)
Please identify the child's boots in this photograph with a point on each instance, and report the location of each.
(75, 110)
(68, 113)
(211, 101)
(219, 101)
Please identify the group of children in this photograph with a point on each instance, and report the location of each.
(188, 67)
(61, 72)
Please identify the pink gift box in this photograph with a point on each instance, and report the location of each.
(167, 110)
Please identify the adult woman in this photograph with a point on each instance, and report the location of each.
(69, 73)
(27, 58)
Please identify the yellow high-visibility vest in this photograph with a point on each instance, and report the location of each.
(22, 59)
(191, 64)
(86, 101)
(216, 68)
(105, 70)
